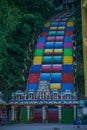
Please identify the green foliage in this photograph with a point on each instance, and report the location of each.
(79, 48)
(57, 2)
(20, 25)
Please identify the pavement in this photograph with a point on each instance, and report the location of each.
(43, 127)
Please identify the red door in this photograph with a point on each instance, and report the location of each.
(37, 116)
(52, 115)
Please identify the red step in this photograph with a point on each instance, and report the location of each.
(34, 78)
(67, 78)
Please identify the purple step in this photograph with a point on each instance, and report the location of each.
(40, 45)
(67, 44)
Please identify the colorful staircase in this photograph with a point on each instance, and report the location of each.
(53, 59)
(53, 64)
(67, 74)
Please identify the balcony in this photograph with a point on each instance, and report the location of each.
(54, 97)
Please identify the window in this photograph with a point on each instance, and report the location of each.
(68, 96)
(31, 95)
(55, 96)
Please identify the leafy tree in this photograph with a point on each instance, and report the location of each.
(79, 48)
(21, 24)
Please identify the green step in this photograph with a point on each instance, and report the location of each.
(67, 52)
(70, 20)
(39, 52)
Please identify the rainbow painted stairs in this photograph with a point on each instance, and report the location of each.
(52, 69)
(53, 58)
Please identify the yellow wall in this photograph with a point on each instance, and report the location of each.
(84, 33)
